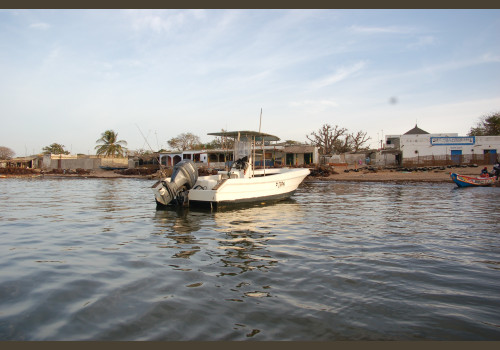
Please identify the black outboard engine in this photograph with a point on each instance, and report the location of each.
(175, 192)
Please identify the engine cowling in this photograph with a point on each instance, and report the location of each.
(174, 192)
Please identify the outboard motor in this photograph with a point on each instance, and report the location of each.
(175, 192)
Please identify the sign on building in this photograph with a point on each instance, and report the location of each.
(453, 140)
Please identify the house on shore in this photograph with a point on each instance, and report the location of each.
(31, 162)
(274, 155)
(418, 147)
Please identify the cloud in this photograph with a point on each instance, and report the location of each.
(341, 74)
(326, 103)
(162, 20)
(489, 58)
(314, 106)
(422, 41)
(40, 25)
(380, 30)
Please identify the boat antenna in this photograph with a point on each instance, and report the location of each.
(157, 144)
(260, 121)
(263, 152)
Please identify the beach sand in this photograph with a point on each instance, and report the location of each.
(398, 176)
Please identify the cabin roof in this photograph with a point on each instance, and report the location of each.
(259, 136)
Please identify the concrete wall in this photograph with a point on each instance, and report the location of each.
(88, 164)
(355, 158)
(56, 161)
(383, 159)
(114, 162)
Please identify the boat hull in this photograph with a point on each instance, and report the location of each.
(242, 201)
(470, 181)
(277, 184)
(215, 190)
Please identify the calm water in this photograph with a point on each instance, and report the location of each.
(92, 259)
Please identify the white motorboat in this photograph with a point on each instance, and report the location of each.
(241, 184)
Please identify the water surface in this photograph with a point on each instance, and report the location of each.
(92, 259)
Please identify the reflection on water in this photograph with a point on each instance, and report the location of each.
(244, 233)
(94, 260)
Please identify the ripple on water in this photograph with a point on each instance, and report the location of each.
(89, 259)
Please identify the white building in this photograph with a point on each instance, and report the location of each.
(420, 147)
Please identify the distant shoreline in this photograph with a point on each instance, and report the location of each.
(360, 176)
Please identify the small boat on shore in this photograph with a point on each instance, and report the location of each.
(472, 181)
(241, 184)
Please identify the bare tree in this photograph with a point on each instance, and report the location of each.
(326, 137)
(184, 142)
(343, 145)
(6, 153)
(358, 141)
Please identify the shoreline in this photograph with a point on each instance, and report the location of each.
(432, 176)
(435, 176)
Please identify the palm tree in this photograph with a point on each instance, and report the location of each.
(111, 146)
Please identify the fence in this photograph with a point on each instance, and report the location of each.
(464, 159)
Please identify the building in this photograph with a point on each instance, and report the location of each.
(275, 155)
(30, 162)
(418, 147)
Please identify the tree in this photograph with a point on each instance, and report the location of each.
(220, 142)
(338, 140)
(6, 153)
(185, 141)
(54, 148)
(111, 146)
(358, 140)
(326, 137)
(342, 145)
(488, 125)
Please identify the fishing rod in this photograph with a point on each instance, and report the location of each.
(158, 157)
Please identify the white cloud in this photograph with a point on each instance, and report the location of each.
(327, 103)
(340, 74)
(380, 30)
(422, 41)
(162, 20)
(489, 58)
(40, 25)
(314, 107)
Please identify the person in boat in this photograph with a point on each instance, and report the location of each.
(496, 170)
(484, 172)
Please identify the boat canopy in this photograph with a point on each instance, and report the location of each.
(259, 136)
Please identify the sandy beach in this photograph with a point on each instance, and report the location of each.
(396, 176)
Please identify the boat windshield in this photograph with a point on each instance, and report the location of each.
(242, 149)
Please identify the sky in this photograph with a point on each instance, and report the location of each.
(66, 76)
